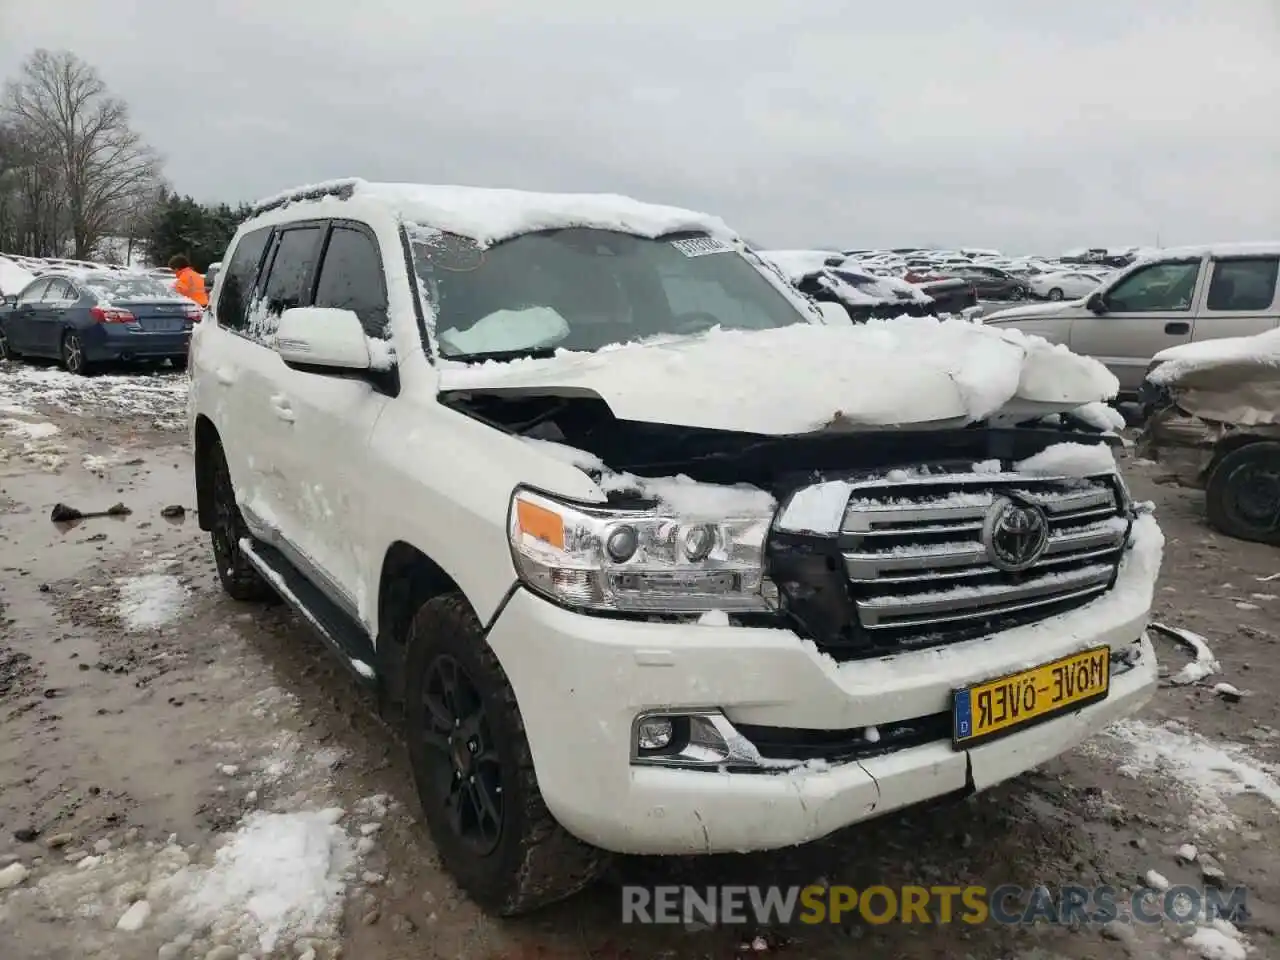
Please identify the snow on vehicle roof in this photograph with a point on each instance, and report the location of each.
(1177, 362)
(1266, 248)
(490, 215)
(13, 277)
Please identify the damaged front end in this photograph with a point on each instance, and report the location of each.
(867, 541)
(1216, 427)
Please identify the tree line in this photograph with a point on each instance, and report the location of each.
(77, 180)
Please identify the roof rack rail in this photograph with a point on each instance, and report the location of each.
(342, 189)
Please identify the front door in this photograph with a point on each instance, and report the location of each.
(330, 421)
(1146, 311)
(20, 325)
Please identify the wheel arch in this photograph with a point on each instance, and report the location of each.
(408, 579)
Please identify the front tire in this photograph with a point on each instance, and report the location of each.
(179, 363)
(73, 357)
(474, 770)
(1242, 497)
(240, 579)
(6, 352)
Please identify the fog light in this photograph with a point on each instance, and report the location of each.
(654, 733)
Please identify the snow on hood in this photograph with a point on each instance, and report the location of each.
(489, 216)
(804, 377)
(1035, 310)
(1176, 362)
(12, 277)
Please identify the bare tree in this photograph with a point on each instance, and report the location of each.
(80, 134)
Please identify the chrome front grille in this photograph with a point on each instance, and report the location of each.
(919, 564)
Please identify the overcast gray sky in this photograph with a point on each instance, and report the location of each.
(1017, 124)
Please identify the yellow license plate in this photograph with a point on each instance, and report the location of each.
(1001, 706)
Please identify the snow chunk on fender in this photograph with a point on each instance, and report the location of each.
(1262, 349)
(1070, 460)
(806, 377)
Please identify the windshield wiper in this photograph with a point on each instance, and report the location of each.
(533, 353)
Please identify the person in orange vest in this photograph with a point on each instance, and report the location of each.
(190, 284)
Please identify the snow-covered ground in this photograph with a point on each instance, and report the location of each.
(274, 884)
(156, 399)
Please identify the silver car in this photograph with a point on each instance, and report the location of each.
(1176, 296)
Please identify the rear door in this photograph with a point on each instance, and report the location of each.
(20, 324)
(260, 413)
(1241, 298)
(1148, 310)
(221, 356)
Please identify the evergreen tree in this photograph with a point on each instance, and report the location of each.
(201, 233)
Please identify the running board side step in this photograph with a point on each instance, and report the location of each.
(336, 628)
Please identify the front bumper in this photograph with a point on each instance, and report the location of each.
(581, 681)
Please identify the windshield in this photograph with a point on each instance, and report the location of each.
(119, 286)
(583, 289)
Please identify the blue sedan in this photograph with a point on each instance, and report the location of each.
(92, 318)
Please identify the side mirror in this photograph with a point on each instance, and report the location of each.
(834, 315)
(322, 337)
(1096, 304)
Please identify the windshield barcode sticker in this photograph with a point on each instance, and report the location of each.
(701, 246)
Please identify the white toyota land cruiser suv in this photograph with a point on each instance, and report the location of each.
(645, 556)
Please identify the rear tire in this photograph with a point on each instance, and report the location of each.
(240, 579)
(1055, 294)
(73, 358)
(474, 771)
(179, 363)
(1242, 497)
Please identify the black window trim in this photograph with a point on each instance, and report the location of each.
(340, 223)
(255, 279)
(268, 258)
(384, 382)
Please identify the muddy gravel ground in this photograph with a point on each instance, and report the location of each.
(183, 776)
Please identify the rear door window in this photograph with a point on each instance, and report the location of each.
(289, 275)
(1243, 284)
(237, 284)
(351, 279)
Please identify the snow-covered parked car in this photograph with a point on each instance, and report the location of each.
(832, 278)
(1214, 422)
(616, 526)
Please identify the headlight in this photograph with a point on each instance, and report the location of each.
(638, 561)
